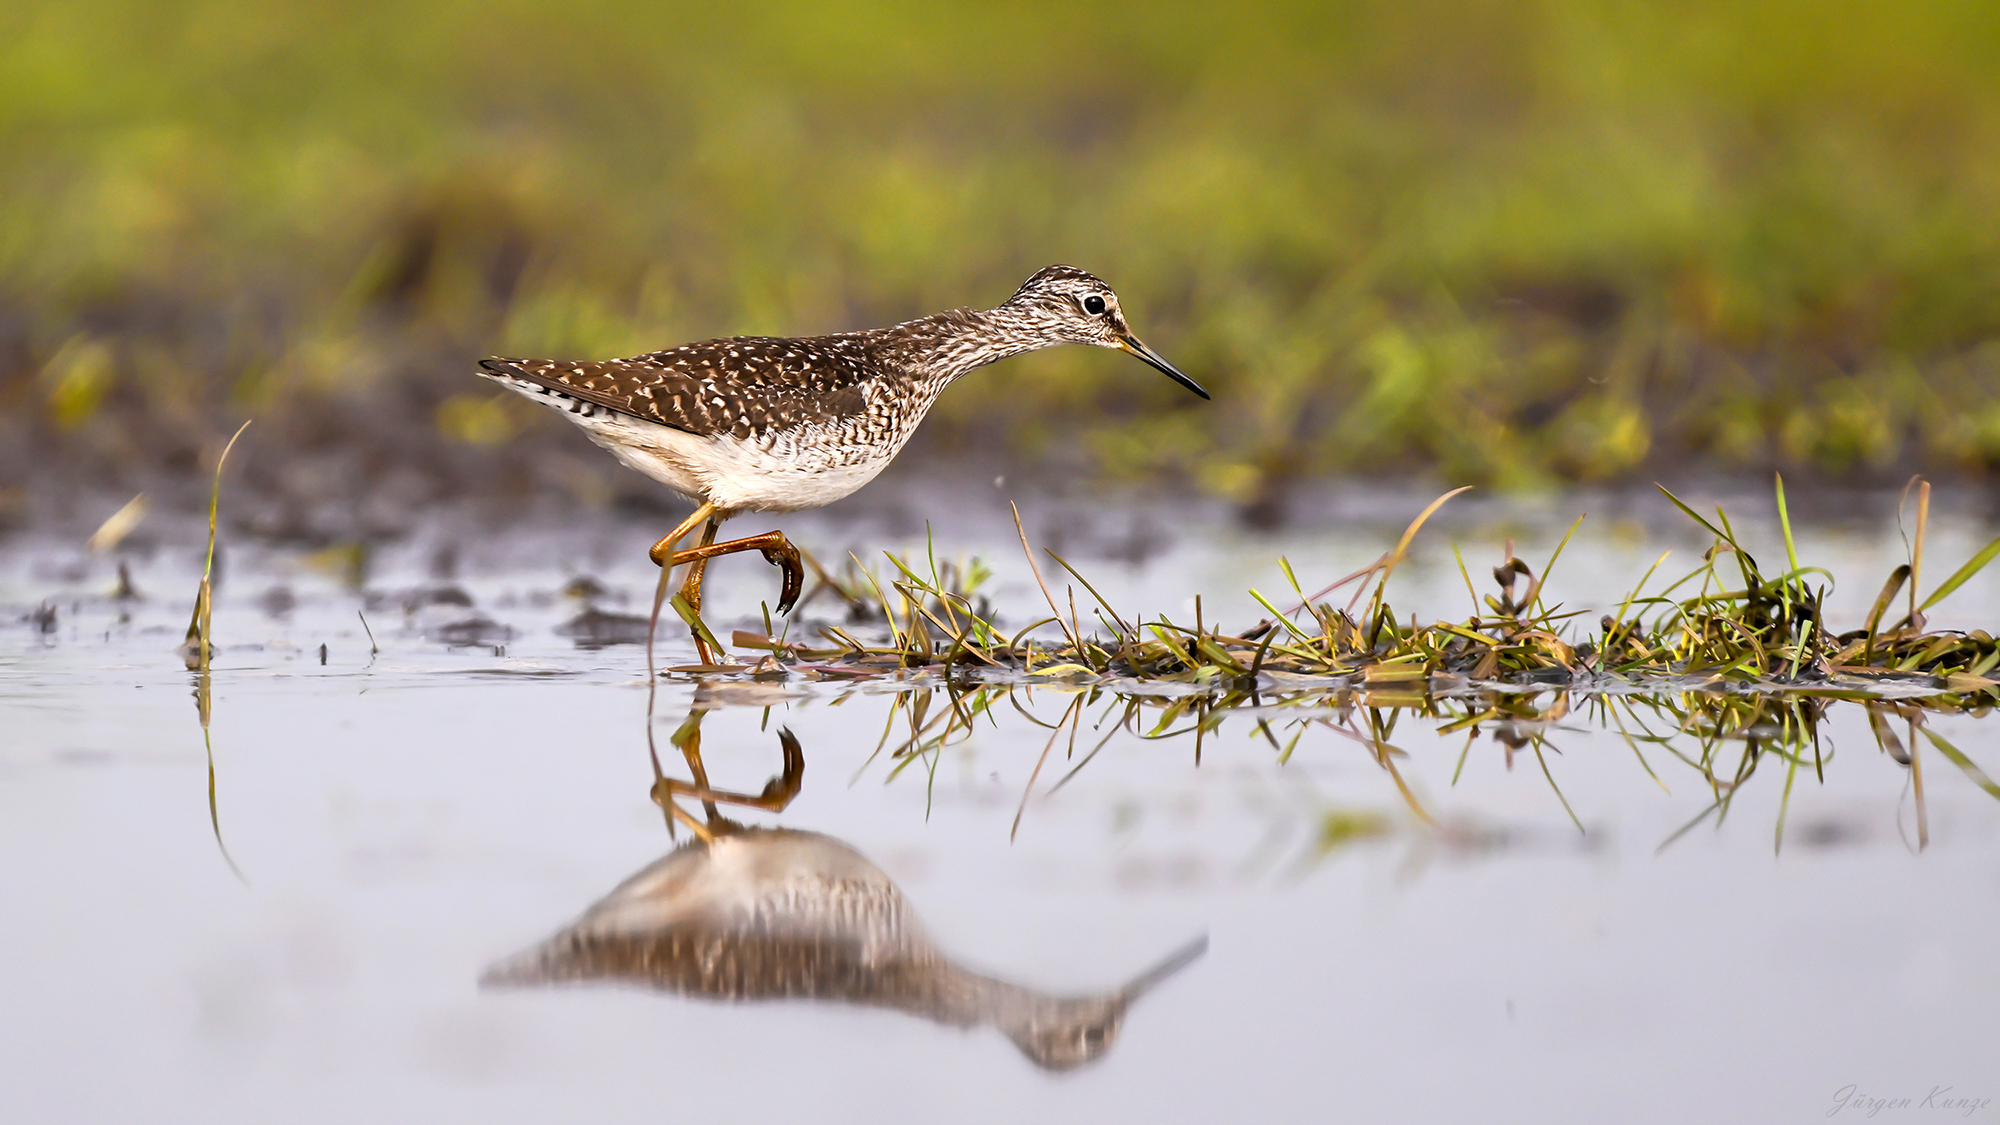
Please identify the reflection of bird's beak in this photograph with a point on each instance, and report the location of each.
(1176, 961)
(1132, 344)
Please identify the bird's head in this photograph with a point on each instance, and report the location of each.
(1072, 306)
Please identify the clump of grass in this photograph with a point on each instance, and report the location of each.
(1726, 625)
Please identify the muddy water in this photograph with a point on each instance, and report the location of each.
(395, 824)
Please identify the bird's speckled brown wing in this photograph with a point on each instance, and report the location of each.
(741, 386)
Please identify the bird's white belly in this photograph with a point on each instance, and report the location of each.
(734, 475)
(776, 473)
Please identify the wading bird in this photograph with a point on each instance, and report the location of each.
(776, 424)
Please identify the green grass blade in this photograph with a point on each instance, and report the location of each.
(1963, 574)
(1279, 617)
(1115, 616)
(1543, 580)
(1785, 522)
(1691, 513)
(687, 614)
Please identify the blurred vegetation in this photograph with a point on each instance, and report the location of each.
(1519, 241)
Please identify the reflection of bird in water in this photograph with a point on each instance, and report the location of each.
(764, 914)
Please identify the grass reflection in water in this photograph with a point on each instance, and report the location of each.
(1722, 736)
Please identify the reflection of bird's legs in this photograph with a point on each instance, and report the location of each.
(778, 792)
(688, 738)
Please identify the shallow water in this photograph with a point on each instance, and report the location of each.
(404, 820)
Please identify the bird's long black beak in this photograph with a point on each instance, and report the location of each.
(1136, 347)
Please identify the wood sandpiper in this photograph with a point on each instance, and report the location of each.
(774, 424)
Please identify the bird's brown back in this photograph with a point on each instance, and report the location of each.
(742, 386)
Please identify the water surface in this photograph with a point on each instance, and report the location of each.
(1441, 941)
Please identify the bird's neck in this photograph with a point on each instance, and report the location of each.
(949, 993)
(938, 349)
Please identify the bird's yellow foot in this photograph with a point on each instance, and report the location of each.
(776, 549)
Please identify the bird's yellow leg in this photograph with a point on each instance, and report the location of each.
(690, 591)
(662, 555)
(664, 549)
(777, 550)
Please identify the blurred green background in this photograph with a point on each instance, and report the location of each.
(1513, 243)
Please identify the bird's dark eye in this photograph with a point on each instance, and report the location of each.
(1093, 304)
